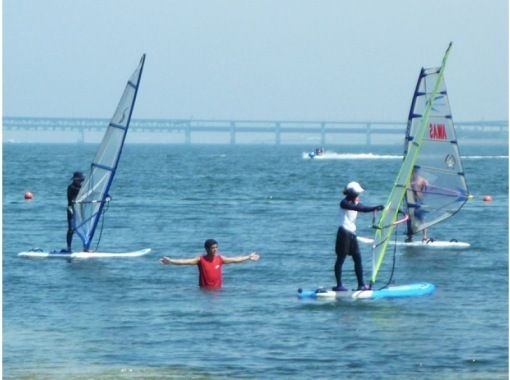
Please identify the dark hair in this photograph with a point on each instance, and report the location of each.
(351, 194)
(78, 176)
(209, 243)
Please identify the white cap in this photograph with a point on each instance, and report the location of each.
(354, 187)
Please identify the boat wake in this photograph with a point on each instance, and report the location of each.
(350, 156)
(371, 156)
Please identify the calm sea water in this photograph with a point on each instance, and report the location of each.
(137, 319)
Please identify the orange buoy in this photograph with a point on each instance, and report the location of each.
(487, 198)
(28, 195)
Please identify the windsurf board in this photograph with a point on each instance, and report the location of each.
(399, 291)
(452, 244)
(41, 254)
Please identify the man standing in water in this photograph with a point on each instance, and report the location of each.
(418, 190)
(72, 192)
(346, 241)
(210, 264)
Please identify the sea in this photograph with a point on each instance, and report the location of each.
(137, 319)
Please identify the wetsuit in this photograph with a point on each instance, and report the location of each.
(346, 242)
(72, 191)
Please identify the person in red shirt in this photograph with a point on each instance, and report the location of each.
(210, 264)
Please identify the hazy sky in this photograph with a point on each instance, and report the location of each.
(264, 59)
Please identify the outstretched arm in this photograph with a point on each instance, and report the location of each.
(167, 261)
(350, 205)
(239, 259)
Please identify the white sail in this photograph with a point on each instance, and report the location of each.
(390, 215)
(437, 188)
(94, 192)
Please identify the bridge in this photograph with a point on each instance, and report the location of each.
(323, 131)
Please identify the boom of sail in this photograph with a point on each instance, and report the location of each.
(94, 192)
(432, 157)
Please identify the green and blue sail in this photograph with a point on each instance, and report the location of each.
(431, 157)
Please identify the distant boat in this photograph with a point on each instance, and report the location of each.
(317, 153)
(94, 192)
(330, 155)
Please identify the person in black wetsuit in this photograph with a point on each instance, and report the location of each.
(346, 242)
(72, 191)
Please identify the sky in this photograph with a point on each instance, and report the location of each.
(332, 60)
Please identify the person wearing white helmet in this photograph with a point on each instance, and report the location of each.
(346, 242)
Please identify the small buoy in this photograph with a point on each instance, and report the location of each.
(28, 195)
(487, 198)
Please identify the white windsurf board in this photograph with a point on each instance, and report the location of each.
(422, 243)
(41, 254)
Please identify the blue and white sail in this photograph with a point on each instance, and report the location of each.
(428, 104)
(437, 187)
(94, 192)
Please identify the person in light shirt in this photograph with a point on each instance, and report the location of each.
(210, 265)
(418, 191)
(346, 241)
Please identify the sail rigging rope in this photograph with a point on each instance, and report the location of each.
(390, 280)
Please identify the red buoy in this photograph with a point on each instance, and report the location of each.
(487, 198)
(28, 195)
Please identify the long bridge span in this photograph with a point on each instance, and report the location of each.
(323, 132)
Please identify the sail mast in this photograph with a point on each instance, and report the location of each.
(388, 218)
(93, 195)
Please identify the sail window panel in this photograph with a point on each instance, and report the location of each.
(435, 209)
(100, 179)
(442, 191)
(441, 155)
(431, 71)
(134, 79)
(88, 205)
(122, 113)
(109, 151)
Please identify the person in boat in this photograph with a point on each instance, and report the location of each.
(419, 185)
(316, 152)
(72, 192)
(346, 241)
(210, 264)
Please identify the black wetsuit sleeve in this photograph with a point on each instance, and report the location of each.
(72, 192)
(350, 205)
